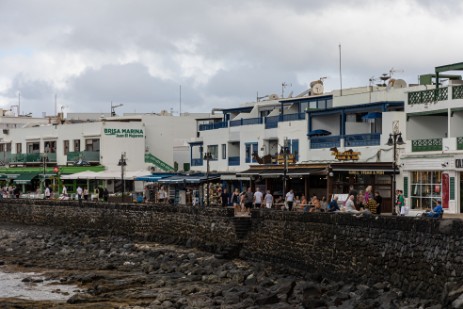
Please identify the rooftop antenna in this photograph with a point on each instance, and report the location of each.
(283, 86)
(180, 90)
(392, 71)
(56, 104)
(340, 68)
(113, 108)
(19, 103)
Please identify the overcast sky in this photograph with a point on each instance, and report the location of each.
(137, 53)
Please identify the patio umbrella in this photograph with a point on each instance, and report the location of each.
(319, 133)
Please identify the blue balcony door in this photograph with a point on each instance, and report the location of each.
(250, 149)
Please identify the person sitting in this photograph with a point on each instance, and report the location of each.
(333, 205)
(436, 212)
(316, 205)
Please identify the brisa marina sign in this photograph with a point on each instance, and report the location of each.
(126, 133)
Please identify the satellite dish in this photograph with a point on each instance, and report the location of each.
(273, 97)
(400, 83)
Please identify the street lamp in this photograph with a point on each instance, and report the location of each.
(394, 140)
(207, 157)
(122, 163)
(44, 165)
(285, 152)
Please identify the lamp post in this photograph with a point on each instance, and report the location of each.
(122, 163)
(207, 157)
(285, 151)
(44, 165)
(394, 140)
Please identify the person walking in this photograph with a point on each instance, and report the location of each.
(225, 198)
(85, 194)
(268, 199)
(235, 199)
(379, 201)
(47, 192)
(248, 199)
(258, 197)
(290, 199)
(79, 192)
(399, 202)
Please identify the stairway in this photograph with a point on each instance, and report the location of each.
(242, 226)
(149, 158)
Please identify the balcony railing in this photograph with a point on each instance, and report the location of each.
(460, 143)
(89, 156)
(246, 122)
(428, 96)
(293, 117)
(271, 122)
(233, 161)
(457, 92)
(319, 142)
(354, 140)
(197, 162)
(213, 126)
(430, 144)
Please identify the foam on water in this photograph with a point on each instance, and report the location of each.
(11, 286)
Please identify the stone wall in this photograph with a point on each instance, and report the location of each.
(423, 257)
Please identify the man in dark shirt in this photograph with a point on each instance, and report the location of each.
(379, 201)
(225, 196)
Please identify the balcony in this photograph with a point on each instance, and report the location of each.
(89, 156)
(246, 122)
(320, 142)
(293, 117)
(356, 140)
(197, 162)
(430, 144)
(457, 92)
(213, 126)
(233, 161)
(271, 122)
(428, 96)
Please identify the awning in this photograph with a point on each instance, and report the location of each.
(319, 133)
(233, 177)
(375, 168)
(372, 115)
(279, 172)
(128, 175)
(153, 178)
(196, 179)
(25, 178)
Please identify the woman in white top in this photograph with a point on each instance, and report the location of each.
(268, 199)
(350, 206)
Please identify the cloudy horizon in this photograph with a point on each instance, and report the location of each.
(79, 56)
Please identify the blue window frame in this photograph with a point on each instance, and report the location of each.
(250, 149)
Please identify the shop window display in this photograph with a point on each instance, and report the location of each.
(425, 189)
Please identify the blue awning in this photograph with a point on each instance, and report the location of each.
(179, 179)
(372, 115)
(319, 133)
(153, 178)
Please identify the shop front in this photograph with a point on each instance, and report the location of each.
(361, 175)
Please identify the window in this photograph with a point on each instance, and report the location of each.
(32, 147)
(214, 150)
(224, 151)
(250, 148)
(92, 145)
(66, 147)
(50, 146)
(19, 148)
(294, 146)
(77, 145)
(425, 189)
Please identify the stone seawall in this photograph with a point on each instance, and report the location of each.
(422, 257)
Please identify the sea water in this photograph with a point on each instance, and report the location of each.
(36, 287)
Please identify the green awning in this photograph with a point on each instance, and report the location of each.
(25, 178)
